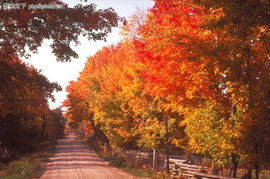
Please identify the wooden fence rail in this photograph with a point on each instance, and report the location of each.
(180, 166)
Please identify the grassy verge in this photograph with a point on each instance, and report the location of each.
(133, 168)
(129, 166)
(124, 163)
(29, 166)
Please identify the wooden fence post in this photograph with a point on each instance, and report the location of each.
(154, 160)
(138, 159)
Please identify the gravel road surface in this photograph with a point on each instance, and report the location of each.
(74, 160)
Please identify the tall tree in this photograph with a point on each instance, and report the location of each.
(24, 95)
(26, 27)
(209, 53)
(242, 50)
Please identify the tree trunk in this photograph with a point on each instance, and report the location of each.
(214, 171)
(167, 145)
(248, 174)
(235, 161)
(257, 164)
(221, 171)
(252, 117)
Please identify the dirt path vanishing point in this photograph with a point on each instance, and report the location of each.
(74, 160)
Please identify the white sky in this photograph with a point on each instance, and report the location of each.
(62, 73)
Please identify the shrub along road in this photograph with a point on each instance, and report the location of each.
(73, 159)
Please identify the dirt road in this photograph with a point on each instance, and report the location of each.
(74, 160)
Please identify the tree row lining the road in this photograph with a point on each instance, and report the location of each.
(203, 64)
(25, 117)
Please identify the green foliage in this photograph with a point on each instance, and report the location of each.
(23, 168)
(134, 169)
(31, 165)
(151, 134)
(211, 133)
(131, 167)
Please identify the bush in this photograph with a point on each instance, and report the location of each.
(118, 162)
(24, 168)
(30, 166)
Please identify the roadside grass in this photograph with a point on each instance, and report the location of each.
(125, 164)
(29, 166)
(130, 166)
(135, 169)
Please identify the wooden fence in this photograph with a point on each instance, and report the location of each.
(180, 166)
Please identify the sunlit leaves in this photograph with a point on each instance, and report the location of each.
(172, 48)
(193, 64)
(213, 132)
